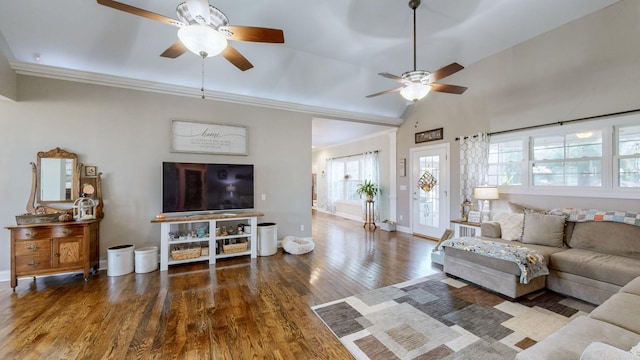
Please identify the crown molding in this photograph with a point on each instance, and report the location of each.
(53, 72)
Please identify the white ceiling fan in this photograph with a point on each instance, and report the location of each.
(205, 31)
(418, 83)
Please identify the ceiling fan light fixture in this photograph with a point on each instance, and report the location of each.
(415, 91)
(202, 40)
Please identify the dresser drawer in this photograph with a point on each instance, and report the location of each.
(48, 232)
(32, 233)
(33, 247)
(26, 265)
(67, 231)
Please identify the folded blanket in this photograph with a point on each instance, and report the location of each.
(585, 215)
(530, 262)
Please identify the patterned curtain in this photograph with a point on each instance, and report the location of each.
(371, 171)
(331, 200)
(474, 159)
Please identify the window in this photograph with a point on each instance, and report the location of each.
(346, 175)
(628, 156)
(506, 160)
(567, 160)
(593, 159)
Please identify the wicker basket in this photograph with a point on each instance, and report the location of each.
(235, 248)
(179, 253)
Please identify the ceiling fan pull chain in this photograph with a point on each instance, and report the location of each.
(202, 85)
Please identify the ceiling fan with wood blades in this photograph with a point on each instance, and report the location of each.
(418, 83)
(204, 30)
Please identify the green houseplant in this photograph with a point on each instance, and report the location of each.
(369, 189)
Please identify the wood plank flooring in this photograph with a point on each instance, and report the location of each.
(238, 309)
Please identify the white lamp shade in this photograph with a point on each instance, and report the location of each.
(415, 91)
(486, 193)
(202, 40)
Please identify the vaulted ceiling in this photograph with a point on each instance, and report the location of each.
(329, 62)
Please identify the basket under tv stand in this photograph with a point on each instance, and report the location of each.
(193, 237)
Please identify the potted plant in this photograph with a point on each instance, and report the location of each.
(369, 189)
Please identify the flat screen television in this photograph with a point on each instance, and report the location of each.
(197, 187)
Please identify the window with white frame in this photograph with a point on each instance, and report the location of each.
(346, 175)
(573, 159)
(628, 156)
(506, 163)
(596, 158)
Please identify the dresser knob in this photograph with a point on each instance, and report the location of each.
(33, 247)
(34, 263)
(30, 234)
(67, 231)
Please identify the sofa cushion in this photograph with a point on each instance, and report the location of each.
(633, 287)
(510, 225)
(622, 310)
(607, 237)
(600, 351)
(612, 269)
(570, 341)
(543, 229)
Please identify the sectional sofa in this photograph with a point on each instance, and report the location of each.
(590, 255)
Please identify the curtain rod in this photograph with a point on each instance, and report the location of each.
(346, 156)
(560, 123)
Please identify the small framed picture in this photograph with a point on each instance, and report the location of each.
(429, 135)
(474, 217)
(89, 171)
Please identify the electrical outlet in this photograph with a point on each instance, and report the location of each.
(301, 227)
(400, 217)
(264, 196)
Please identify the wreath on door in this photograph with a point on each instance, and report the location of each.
(427, 181)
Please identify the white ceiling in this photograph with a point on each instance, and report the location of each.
(329, 62)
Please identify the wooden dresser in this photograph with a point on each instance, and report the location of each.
(51, 248)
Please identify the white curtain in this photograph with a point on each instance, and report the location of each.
(371, 171)
(474, 158)
(331, 199)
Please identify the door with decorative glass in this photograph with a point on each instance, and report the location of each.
(430, 190)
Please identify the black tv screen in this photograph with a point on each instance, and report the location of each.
(193, 187)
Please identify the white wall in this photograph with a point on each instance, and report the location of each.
(8, 77)
(588, 67)
(126, 134)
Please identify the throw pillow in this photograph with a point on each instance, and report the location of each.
(543, 229)
(519, 208)
(510, 225)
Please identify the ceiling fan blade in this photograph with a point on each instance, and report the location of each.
(174, 50)
(445, 71)
(237, 59)
(140, 12)
(254, 34)
(385, 92)
(392, 77)
(451, 89)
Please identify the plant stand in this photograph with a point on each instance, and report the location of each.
(369, 215)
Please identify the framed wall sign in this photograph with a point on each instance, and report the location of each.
(429, 135)
(205, 138)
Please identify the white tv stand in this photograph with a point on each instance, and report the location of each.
(181, 231)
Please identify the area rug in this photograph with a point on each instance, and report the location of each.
(437, 317)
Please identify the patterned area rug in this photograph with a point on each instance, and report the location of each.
(437, 317)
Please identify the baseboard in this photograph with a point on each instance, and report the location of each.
(5, 275)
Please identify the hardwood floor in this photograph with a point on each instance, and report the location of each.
(240, 309)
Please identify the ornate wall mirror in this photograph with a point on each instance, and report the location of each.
(57, 183)
(58, 176)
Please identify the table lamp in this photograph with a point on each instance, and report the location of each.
(485, 193)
